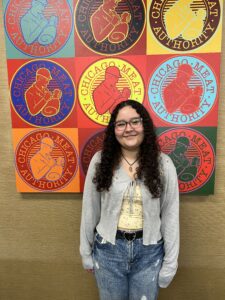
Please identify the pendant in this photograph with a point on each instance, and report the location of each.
(130, 169)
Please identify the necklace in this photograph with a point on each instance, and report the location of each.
(130, 164)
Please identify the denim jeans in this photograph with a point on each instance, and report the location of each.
(127, 270)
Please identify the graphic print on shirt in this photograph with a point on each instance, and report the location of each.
(131, 214)
(46, 160)
(110, 26)
(106, 83)
(192, 154)
(184, 25)
(182, 90)
(42, 93)
(38, 28)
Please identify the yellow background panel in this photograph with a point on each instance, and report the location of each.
(155, 47)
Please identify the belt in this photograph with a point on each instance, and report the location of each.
(129, 236)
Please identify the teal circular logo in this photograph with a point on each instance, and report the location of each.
(182, 90)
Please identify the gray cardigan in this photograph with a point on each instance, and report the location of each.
(101, 211)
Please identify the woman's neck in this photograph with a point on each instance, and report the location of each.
(130, 154)
(129, 161)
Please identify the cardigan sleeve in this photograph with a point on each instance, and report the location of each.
(169, 223)
(90, 215)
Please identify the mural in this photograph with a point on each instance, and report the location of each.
(71, 62)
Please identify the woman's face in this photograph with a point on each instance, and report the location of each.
(129, 135)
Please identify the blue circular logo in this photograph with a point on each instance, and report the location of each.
(42, 93)
(182, 90)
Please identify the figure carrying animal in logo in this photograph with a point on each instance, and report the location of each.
(44, 165)
(178, 96)
(186, 169)
(36, 27)
(107, 23)
(181, 21)
(39, 98)
(106, 95)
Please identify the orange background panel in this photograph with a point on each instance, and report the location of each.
(72, 135)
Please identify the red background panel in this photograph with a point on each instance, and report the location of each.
(212, 60)
(138, 48)
(66, 63)
(82, 64)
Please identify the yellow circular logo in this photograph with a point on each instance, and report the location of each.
(106, 83)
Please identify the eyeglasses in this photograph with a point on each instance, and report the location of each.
(135, 123)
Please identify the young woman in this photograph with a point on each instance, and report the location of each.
(130, 216)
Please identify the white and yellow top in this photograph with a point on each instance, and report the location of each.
(131, 214)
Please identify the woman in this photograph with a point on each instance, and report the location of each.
(130, 215)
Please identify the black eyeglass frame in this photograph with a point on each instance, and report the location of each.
(128, 122)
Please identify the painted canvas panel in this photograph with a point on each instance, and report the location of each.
(193, 153)
(46, 160)
(42, 93)
(104, 83)
(183, 90)
(110, 27)
(71, 62)
(184, 26)
(39, 28)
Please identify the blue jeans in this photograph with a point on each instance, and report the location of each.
(127, 270)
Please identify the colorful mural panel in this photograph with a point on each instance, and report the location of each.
(106, 82)
(71, 62)
(184, 26)
(38, 28)
(193, 153)
(183, 90)
(110, 27)
(42, 93)
(46, 160)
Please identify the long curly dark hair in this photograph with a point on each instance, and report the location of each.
(148, 169)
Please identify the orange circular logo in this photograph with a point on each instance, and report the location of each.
(46, 160)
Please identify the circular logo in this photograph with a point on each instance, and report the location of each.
(182, 90)
(93, 145)
(38, 28)
(184, 25)
(111, 26)
(46, 160)
(42, 93)
(106, 83)
(192, 155)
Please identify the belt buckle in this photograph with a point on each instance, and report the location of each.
(127, 234)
